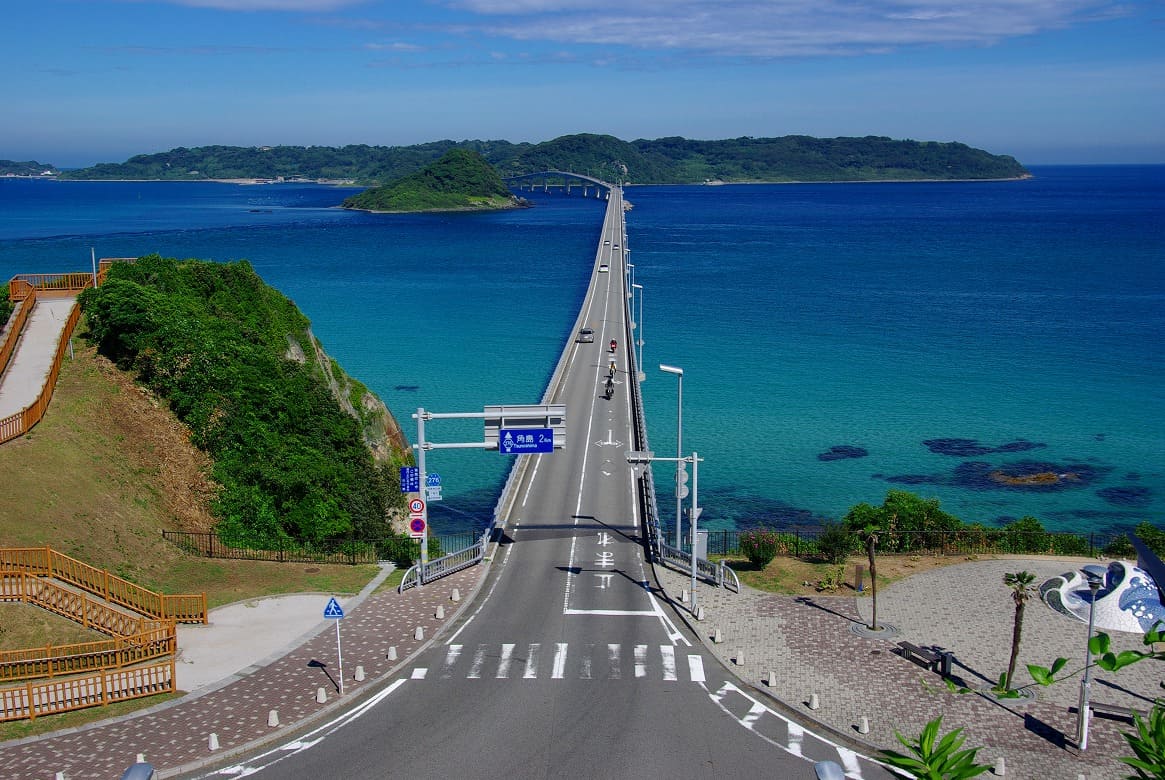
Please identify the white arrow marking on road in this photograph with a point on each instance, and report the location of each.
(604, 538)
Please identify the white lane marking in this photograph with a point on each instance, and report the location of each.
(696, 668)
(531, 672)
(674, 635)
(668, 655)
(481, 606)
(450, 659)
(754, 712)
(569, 573)
(796, 737)
(504, 663)
(584, 672)
(613, 662)
(419, 673)
(849, 761)
(287, 749)
(608, 612)
(532, 480)
(559, 661)
(640, 660)
(604, 580)
(478, 660)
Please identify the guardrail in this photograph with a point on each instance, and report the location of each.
(46, 562)
(33, 700)
(420, 574)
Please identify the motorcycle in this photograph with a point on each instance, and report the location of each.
(610, 389)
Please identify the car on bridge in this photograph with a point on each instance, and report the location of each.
(586, 336)
(604, 268)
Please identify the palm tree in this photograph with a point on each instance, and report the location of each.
(871, 534)
(1021, 591)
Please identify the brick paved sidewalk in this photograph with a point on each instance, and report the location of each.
(175, 736)
(809, 644)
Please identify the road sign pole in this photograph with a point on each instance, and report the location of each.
(425, 511)
(340, 657)
(693, 516)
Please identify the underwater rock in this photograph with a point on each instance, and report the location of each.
(971, 448)
(1127, 495)
(843, 452)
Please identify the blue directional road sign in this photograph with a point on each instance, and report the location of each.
(410, 479)
(333, 610)
(522, 441)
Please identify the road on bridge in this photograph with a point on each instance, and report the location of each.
(567, 665)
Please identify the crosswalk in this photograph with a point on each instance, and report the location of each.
(560, 660)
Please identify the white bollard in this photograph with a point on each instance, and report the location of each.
(359, 677)
(212, 743)
(684, 596)
(60, 776)
(1000, 768)
(814, 702)
(440, 612)
(141, 758)
(272, 719)
(419, 634)
(771, 680)
(739, 658)
(864, 725)
(321, 695)
(700, 614)
(456, 596)
(717, 636)
(392, 653)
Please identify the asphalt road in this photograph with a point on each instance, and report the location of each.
(567, 665)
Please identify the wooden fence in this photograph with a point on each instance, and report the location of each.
(46, 562)
(14, 327)
(32, 700)
(158, 640)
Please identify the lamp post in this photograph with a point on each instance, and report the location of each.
(1086, 683)
(642, 375)
(640, 460)
(679, 372)
(630, 281)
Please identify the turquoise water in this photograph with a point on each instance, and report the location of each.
(1026, 316)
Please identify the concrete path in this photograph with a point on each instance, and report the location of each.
(33, 358)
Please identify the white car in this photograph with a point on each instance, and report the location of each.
(604, 268)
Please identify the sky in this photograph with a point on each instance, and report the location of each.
(1047, 81)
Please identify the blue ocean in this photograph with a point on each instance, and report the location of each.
(995, 345)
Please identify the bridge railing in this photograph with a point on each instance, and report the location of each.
(420, 574)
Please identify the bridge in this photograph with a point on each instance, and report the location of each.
(568, 661)
(562, 180)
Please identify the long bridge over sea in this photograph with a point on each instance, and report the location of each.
(546, 181)
(566, 661)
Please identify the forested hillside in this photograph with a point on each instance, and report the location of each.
(661, 161)
(461, 179)
(237, 364)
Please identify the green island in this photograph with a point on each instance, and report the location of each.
(461, 180)
(27, 168)
(671, 160)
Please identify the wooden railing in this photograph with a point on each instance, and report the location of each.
(18, 424)
(66, 283)
(15, 326)
(32, 700)
(46, 562)
(157, 640)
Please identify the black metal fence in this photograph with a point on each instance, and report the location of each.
(975, 541)
(349, 551)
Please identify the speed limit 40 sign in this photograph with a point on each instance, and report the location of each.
(416, 506)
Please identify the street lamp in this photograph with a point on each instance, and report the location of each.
(1094, 583)
(679, 372)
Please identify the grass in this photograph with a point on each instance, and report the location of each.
(67, 720)
(99, 479)
(801, 577)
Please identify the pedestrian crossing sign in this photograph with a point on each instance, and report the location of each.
(333, 610)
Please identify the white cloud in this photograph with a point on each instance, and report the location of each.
(780, 28)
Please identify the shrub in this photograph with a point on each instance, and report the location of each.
(835, 543)
(760, 545)
(1120, 547)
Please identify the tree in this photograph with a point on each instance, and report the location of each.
(1020, 583)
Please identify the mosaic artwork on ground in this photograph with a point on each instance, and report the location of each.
(1128, 599)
